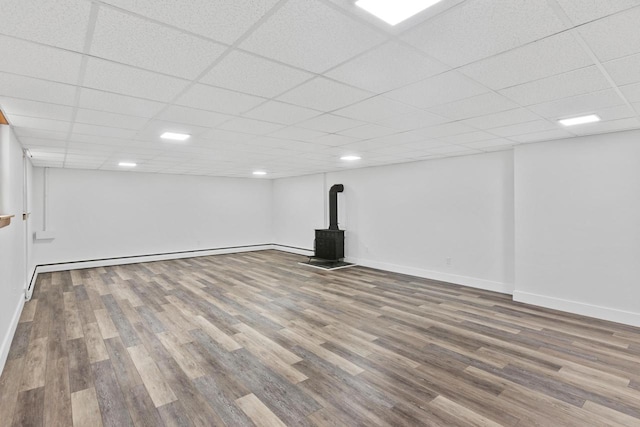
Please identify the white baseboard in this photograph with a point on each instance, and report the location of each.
(292, 249)
(471, 282)
(8, 338)
(596, 311)
(76, 265)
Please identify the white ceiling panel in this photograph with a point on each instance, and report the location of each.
(334, 140)
(631, 92)
(490, 143)
(61, 23)
(216, 99)
(368, 131)
(151, 46)
(523, 128)
(474, 106)
(115, 103)
(376, 108)
(324, 95)
(155, 128)
(387, 67)
(297, 134)
(582, 11)
(35, 60)
(446, 129)
(503, 118)
(547, 135)
(589, 103)
(38, 123)
(22, 87)
(220, 20)
(440, 89)
(481, 28)
(279, 112)
(564, 85)
(466, 138)
(256, 127)
(104, 118)
(219, 135)
(553, 55)
(104, 131)
(125, 80)
(330, 123)
(610, 126)
(193, 116)
(625, 70)
(21, 107)
(251, 74)
(413, 121)
(311, 35)
(622, 41)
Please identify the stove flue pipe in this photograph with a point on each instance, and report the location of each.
(333, 206)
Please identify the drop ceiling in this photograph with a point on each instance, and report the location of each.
(291, 86)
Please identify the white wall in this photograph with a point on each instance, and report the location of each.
(411, 217)
(298, 209)
(577, 234)
(99, 214)
(13, 266)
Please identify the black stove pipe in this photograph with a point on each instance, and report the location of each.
(333, 205)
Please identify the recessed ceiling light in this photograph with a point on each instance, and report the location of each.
(175, 136)
(395, 11)
(259, 173)
(579, 120)
(127, 164)
(350, 158)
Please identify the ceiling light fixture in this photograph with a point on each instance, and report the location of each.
(259, 173)
(127, 164)
(579, 120)
(350, 158)
(395, 11)
(175, 136)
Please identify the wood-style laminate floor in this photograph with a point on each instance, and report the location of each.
(255, 338)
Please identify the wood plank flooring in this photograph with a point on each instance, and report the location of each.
(256, 339)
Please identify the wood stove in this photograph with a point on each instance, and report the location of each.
(329, 243)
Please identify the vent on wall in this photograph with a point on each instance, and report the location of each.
(3, 119)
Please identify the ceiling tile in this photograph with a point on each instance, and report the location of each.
(41, 134)
(376, 108)
(610, 126)
(279, 112)
(466, 138)
(112, 77)
(216, 99)
(573, 83)
(441, 89)
(387, 67)
(21, 107)
(256, 127)
(61, 23)
(547, 135)
(582, 11)
(103, 118)
(155, 128)
(324, 95)
(311, 35)
(368, 131)
(553, 55)
(36, 90)
(490, 143)
(219, 135)
(476, 29)
(334, 140)
(150, 45)
(448, 149)
(251, 74)
(104, 131)
(192, 116)
(503, 118)
(34, 60)
(523, 128)
(106, 101)
(631, 92)
(622, 41)
(412, 121)
(446, 129)
(577, 105)
(625, 70)
(38, 142)
(330, 123)
(38, 123)
(474, 106)
(297, 133)
(221, 20)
